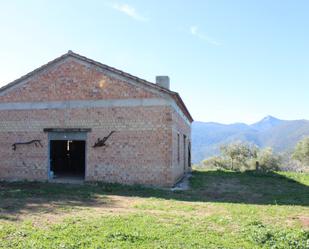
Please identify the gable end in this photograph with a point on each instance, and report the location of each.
(109, 71)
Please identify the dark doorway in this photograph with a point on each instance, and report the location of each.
(67, 158)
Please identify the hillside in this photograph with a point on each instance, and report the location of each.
(282, 135)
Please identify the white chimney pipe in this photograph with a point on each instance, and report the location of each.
(163, 81)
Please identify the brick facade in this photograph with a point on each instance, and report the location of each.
(74, 92)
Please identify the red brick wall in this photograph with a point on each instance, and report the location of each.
(142, 150)
(138, 152)
(180, 155)
(26, 162)
(72, 80)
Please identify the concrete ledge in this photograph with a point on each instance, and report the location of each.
(73, 104)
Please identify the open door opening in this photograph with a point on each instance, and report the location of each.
(67, 159)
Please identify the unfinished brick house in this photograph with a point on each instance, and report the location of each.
(75, 117)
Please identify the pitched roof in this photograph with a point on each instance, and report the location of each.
(175, 96)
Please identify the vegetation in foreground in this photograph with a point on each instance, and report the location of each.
(223, 209)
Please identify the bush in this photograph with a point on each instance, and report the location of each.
(215, 162)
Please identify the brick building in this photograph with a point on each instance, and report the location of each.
(75, 117)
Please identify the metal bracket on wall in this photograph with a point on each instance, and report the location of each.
(36, 142)
(101, 142)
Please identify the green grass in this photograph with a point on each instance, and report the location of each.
(221, 210)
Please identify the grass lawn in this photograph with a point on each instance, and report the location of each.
(221, 210)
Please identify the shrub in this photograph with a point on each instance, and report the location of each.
(215, 162)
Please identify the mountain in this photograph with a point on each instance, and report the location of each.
(266, 123)
(281, 135)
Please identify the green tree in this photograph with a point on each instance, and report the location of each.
(267, 160)
(239, 154)
(301, 152)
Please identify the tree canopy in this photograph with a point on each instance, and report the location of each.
(301, 152)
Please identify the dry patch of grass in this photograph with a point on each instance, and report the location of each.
(304, 221)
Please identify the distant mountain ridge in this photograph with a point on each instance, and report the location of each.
(267, 123)
(281, 135)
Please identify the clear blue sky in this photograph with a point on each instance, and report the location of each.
(231, 61)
